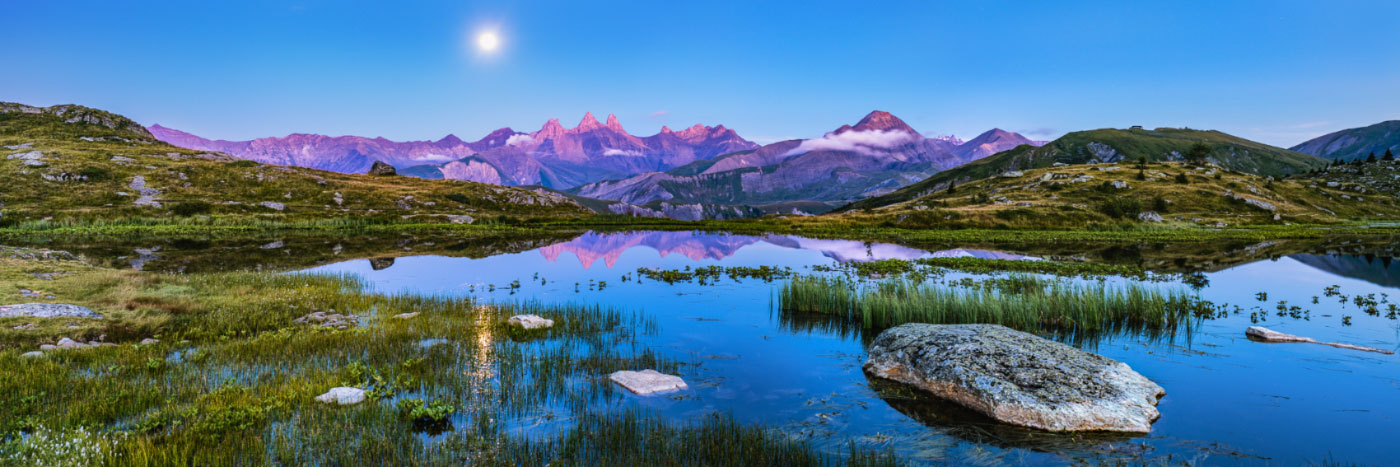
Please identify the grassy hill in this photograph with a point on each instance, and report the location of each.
(1170, 193)
(76, 164)
(1108, 146)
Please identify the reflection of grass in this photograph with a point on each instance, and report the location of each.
(242, 389)
(1021, 302)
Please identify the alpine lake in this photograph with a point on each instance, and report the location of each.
(709, 307)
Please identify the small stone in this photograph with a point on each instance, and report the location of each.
(33, 354)
(647, 381)
(343, 396)
(48, 347)
(1119, 185)
(460, 219)
(1149, 216)
(66, 343)
(531, 321)
(273, 206)
(407, 315)
(150, 341)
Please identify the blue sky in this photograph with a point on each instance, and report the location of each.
(1275, 71)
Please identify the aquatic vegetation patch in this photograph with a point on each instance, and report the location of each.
(1021, 302)
(708, 275)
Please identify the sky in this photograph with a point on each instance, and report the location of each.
(1276, 71)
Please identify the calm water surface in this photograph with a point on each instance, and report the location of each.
(1229, 400)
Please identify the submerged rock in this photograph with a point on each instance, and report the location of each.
(531, 321)
(343, 396)
(1017, 378)
(46, 310)
(647, 381)
(328, 320)
(1269, 335)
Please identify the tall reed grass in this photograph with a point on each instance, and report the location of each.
(1027, 303)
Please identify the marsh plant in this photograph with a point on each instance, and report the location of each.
(1023, 302)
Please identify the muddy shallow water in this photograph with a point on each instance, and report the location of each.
(1229, 400)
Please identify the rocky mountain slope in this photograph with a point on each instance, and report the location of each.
(1082, 195)
(553, 156)
(878, 154)
(1355, 143)
(73, 163)
(1112, 146)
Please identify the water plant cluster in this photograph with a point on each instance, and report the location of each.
(232, 368)
(926, 267)
(707, 275)
(1030, 303)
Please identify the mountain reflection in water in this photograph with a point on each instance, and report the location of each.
(609, 247)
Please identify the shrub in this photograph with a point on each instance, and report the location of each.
(193, 208)
(95, 173)
(243, 164)
(1159, 205)
(460, 198)
(1120, 208)
(1181, 178)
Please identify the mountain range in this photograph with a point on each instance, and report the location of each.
(1355, 143)
(553, 156)
(879, 154)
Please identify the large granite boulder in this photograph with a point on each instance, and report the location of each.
(1017, 378)
(382, 169)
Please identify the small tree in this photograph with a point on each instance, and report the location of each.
(952, 187)
(1389, 156)
(1197, 154)
(1371, 158)
(1142, 162)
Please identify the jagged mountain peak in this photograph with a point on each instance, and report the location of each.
(880, 120)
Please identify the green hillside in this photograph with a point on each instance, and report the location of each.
(1160, 193)
(77, 164)
(1112, 145)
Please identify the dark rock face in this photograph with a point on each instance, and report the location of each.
(1017, 378)
(380, 168)
(380, 264)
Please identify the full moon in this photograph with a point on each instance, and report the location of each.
(488, 41)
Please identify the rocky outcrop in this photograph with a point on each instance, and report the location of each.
(382, 169)
(1017, 378)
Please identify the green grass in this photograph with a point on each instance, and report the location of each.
(1027, 303)
(1162, 144)
(85, 179)
(232, 369)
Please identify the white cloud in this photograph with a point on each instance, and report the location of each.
(619, 152)
(519, 139)
(660, 113)
(433, 157)
(864, 142)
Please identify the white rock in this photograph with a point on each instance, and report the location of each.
(407, 315)
(273, 206)
(647, 381)
(531, 322)
(343, 396)
(149, 341)
(66, 343)
(33, 354)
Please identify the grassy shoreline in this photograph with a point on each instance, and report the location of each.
(820, 228)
